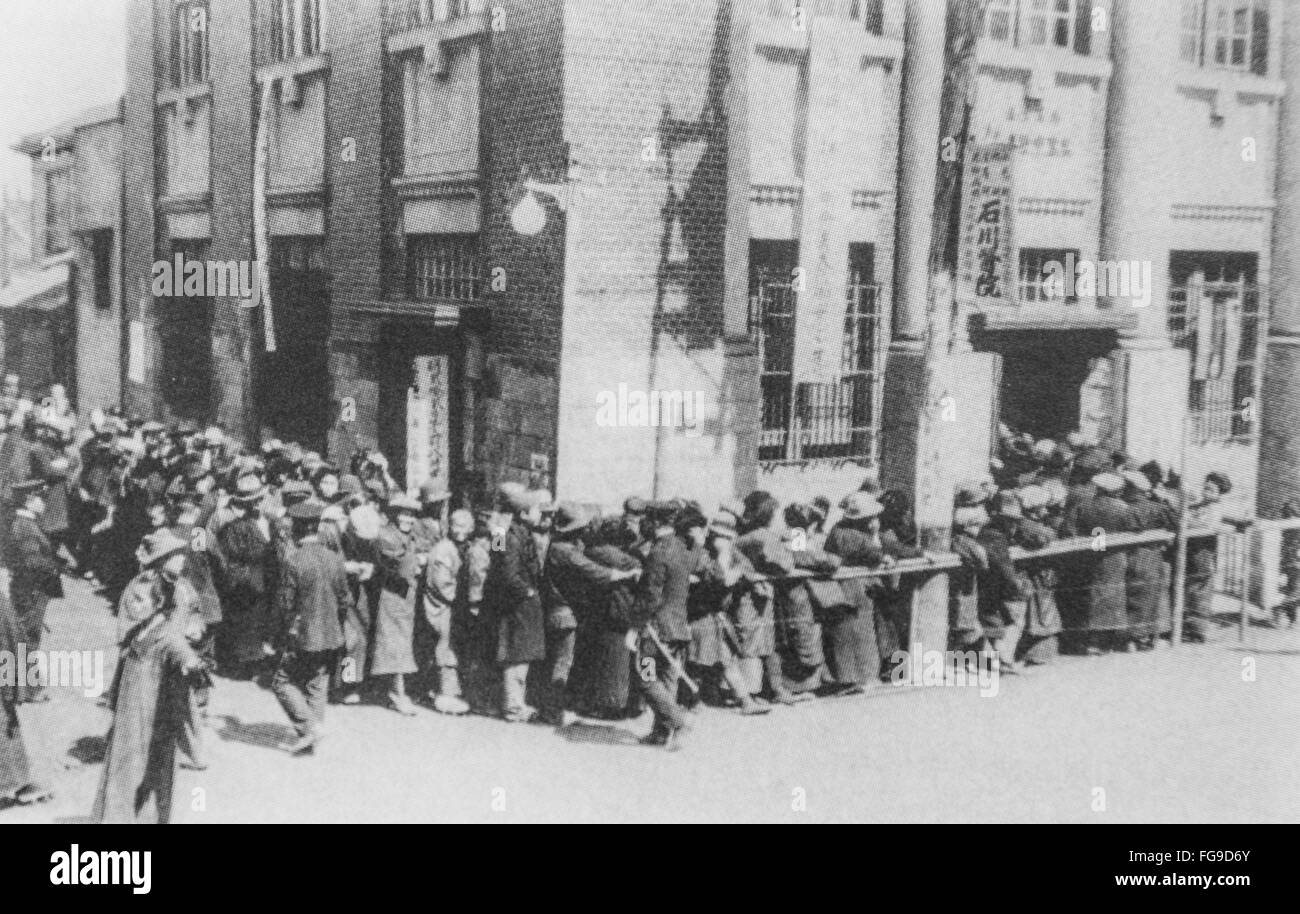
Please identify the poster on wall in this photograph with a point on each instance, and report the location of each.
(986, 262)
(428, 429)
(836, 145)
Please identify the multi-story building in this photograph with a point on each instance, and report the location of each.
(488, 222)
(62, 318)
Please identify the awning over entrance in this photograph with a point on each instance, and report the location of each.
(40, 290)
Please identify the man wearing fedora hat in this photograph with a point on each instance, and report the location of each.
(512, 600)
(247, 556)
(35, 576)
(400, 565)
(157, 667)
(312, 600)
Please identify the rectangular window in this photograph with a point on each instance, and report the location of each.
(1047, 23)
(58, 212)
(1215, 314)
(444, 267)
(1225, 35)
(1038, 269)
(412, 14)
(802, 421)
(190, 43)
(1191, 28)
(296, 28)
(101, 254)
(1000, 21)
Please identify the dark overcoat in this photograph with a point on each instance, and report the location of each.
(1107, 571)
(150, 705)
(512, 599)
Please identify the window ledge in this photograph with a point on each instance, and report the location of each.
(299, 67)
(470, 26)
(175, 95)
(173, 204)
(1242, 83)
(443, 184)
(998, 56)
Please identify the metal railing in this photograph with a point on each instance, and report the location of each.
(1224, 328)
(804, 422)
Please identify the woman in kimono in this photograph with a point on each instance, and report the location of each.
(715, 644)
(16, 785)
(602, 663)
(964, 630)
(853, 652)
(392, 651)
(1038, 644)
(359, 538)
(151, 694)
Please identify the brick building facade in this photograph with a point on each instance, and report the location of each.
(484, 218)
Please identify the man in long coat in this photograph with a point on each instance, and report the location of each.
(313, 600)
(151, 693)
(1147, 575)
(35, 574)
(1105, 515)
(392, 640)
(512, 602)
(16, 783)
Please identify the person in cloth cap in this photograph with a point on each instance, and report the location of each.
(573, 586)
(35, 574)
(399, 567)
(1147, 579)
(51, 460)
(1106, 514)
(312, 599)
(1034, 531)
(443, 601)
(157, 667)
(512, 600)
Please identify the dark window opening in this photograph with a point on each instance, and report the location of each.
(101, 254)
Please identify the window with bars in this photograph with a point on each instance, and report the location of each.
(190, 43)
(296, 28)
(1225, 35)
(58, 212)
(1215, 314)
(1065, 24)
(1035, 276)
(800, 421)
(444, 267)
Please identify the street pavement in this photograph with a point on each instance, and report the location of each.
(1200, 734)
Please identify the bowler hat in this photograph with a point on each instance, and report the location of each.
(248, 488)
(861, 505)
(160, 546)
(306, 511)
(1110, 483)
(402, 504)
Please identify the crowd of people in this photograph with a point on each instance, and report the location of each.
(332, 584)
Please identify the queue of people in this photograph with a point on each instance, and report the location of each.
(333, 585)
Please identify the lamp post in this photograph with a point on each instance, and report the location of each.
(529, 217)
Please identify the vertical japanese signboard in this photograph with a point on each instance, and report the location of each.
(986, 273)
(428, 430)
(834, 162)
